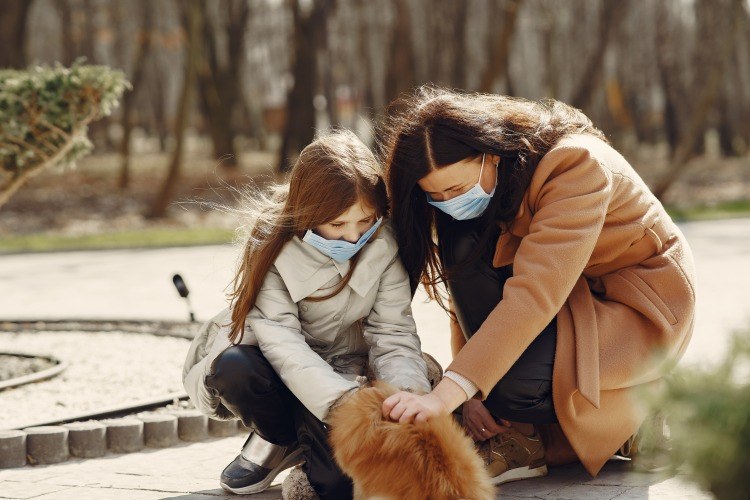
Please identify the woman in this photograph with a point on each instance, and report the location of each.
(569, 286)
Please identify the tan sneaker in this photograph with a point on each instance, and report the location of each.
(511, 456)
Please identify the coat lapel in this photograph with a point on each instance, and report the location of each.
(374, 259)
(305, 269)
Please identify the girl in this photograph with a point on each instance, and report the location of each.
(571, 286)
(320, 299)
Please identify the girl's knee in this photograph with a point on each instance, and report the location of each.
(241, 367)
(235, 360)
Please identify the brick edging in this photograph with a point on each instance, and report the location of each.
(95, 438)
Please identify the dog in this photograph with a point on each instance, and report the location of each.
(387, 460)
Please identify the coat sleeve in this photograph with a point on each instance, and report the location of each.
(210, 340)
(275, 322)
(391, 333)
(569, 211)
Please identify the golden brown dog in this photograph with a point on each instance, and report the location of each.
(388, 460)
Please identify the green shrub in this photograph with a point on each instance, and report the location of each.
(709, 415)
(44, 114)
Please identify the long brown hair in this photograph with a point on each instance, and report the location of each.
(330, 175)
(439, 127)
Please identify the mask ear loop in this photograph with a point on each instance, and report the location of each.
(481, 168)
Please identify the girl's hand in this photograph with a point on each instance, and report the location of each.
(479, 421)
(404, 407)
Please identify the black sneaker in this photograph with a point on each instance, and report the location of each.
(257, 465)
(650, 448)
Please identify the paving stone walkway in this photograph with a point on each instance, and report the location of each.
(136, 284)
(190, 471)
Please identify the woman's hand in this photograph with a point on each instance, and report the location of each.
(405, 407)
(479, 421)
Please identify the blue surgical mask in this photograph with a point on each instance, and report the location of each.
(468, 205)
(340, 250)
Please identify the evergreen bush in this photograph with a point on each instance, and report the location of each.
(709, 420)
(44, 117)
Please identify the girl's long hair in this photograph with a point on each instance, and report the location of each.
(330, 175)
(439, 127)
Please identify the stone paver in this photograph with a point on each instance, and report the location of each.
(191, 471)
(137, 285)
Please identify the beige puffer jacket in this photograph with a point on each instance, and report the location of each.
(319, 348)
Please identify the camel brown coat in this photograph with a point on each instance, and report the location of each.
(591, 245)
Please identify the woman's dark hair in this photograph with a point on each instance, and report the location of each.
(439, 127)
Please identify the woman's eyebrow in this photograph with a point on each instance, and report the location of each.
(447, 189)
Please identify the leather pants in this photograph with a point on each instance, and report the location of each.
(251, 389)
(524, 394)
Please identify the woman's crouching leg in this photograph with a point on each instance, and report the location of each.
(524, 394)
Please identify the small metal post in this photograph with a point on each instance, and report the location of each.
(182, 289)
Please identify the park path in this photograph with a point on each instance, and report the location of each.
(136, 284)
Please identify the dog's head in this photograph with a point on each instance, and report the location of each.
(386, 459)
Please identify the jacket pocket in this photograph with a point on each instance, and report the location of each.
(649, 293)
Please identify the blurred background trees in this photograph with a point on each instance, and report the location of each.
(668, 77)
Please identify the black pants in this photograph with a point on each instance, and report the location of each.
(524, 394)
(251, 389)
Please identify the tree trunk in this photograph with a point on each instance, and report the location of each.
(86, 33)
(87, 40)
(142, 50)
(668, 71)
(366, 91)
(299, 129)
(609, 18)
(548, 26)
(13, 16)
(158, 102)
(726, 126)
(400, 77)
(732, 107)
(458, 71)
(193, 23)
(13, 182)
(66, 32)
(219, 79)
(499, 50)
(327, 66)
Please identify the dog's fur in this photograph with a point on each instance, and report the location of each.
(434, 460)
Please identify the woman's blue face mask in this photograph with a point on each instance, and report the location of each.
(468, 205)
(340, 250)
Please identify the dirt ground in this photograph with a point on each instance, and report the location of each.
(85, 199)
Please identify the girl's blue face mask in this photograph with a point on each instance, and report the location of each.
(468, 205)
(340, 250)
